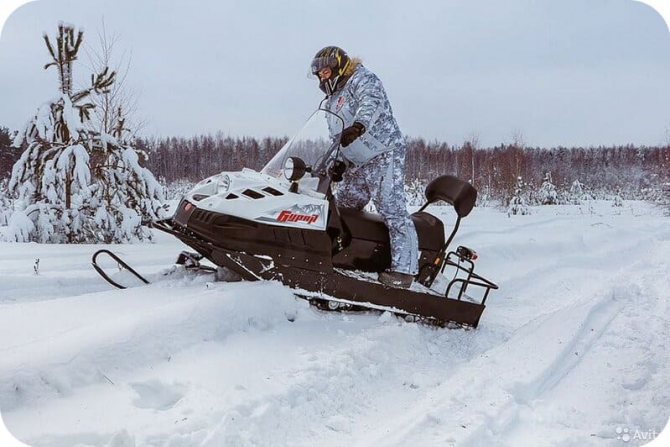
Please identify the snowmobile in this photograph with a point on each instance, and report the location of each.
(283, 224)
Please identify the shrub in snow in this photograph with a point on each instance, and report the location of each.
(517, 204)
(415, 193)
(547, 195)
(75, 184)
(485, 198)
(19, 225)
(618, 200)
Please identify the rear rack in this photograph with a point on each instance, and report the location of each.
(472, 279)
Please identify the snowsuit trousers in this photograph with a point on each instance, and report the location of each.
(382, 180)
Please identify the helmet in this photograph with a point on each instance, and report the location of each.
(337, 60)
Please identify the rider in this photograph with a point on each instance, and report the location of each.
(374, 148)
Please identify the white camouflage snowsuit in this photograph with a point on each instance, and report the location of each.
(377, 162)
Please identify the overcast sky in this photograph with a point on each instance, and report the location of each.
(560, 72)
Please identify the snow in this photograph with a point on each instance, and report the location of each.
(572, 350)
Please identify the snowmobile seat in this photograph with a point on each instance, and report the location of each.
(371, 227)
(462, 195)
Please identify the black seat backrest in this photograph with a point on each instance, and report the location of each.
(462, 195)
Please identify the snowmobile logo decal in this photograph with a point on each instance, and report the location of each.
(310, 216)
(288, 216)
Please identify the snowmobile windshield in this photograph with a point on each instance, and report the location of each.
(313, 143)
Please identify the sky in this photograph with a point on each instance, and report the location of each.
(569, 72)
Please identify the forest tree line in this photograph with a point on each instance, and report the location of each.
(633, 172)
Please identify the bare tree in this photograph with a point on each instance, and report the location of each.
(666, 138)
(518, 139)
(119, 106)
(472, 144)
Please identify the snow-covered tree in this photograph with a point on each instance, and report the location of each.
(64, 181)
(125, 193)
(484, 197)
(6, 152)
(5, 203)
(547, 194)
(618, 200)
(666, 197)
(517, 204)
(576, 194)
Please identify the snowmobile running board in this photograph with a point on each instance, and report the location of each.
(346, 286)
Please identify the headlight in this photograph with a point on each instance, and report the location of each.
(294, 169)
(223, 185)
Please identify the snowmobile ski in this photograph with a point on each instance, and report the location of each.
(122, 265)
(189, 260)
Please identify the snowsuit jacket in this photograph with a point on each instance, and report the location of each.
(364, 99)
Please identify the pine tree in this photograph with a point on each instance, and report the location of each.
(547, 193)
(63, 181)
(7, 154)
(517, 204)
(125, 192)
(5, 158)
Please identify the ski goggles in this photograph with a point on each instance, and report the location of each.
(319, 63)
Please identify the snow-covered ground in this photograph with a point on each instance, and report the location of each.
(573, 350)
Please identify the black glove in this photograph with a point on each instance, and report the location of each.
(350, 134)
(336, 170)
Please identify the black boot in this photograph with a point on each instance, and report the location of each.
(396, 279)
